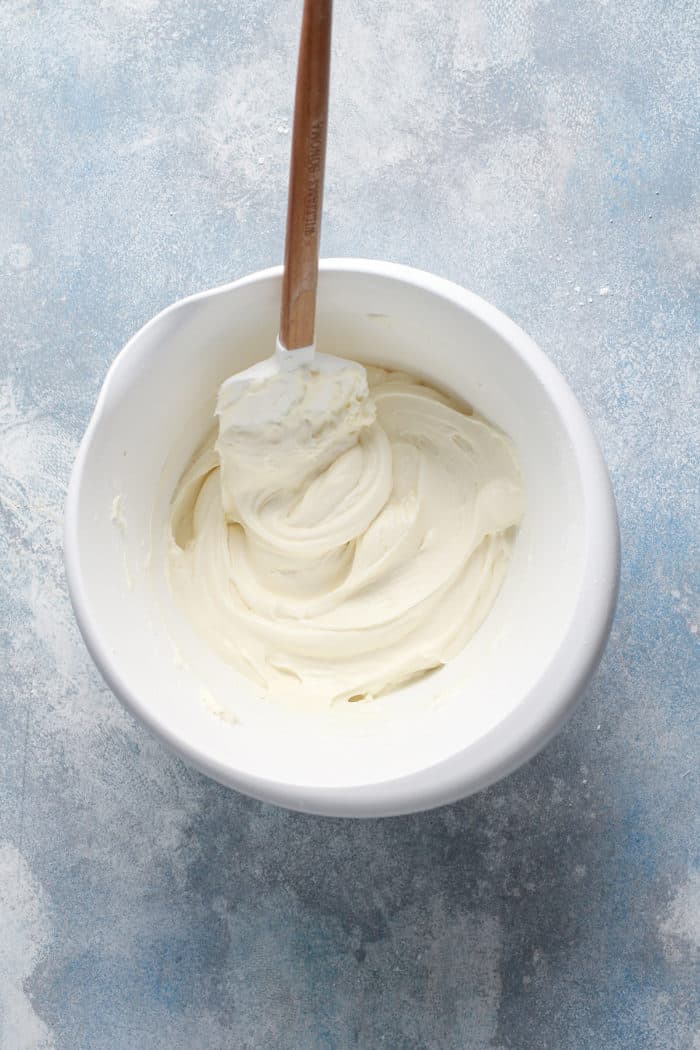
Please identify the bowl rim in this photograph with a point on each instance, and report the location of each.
(541, 711)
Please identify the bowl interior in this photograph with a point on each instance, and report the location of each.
(155, 407)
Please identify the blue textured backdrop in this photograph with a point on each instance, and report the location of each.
(540, 153)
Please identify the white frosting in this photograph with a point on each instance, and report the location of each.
(346, 530)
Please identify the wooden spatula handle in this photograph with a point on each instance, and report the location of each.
(298, 311)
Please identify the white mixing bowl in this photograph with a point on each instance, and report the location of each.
(435, 740)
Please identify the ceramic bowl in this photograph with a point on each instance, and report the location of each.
(437, 739)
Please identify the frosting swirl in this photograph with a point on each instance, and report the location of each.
(347, 538)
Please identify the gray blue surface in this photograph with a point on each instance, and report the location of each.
(539, 153)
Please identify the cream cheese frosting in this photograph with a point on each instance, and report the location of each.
(341, 532)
